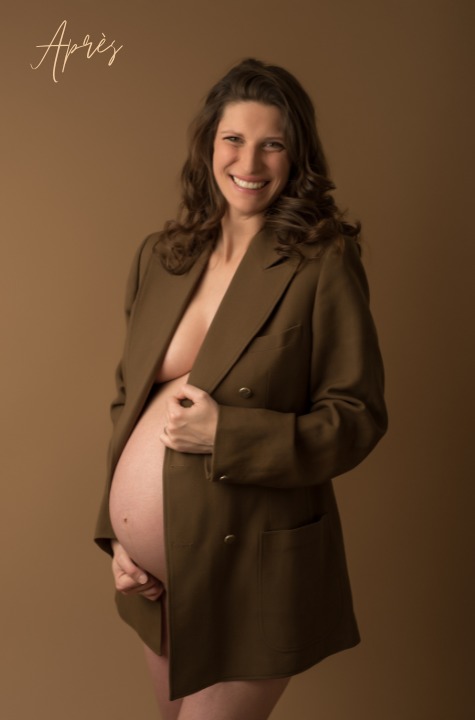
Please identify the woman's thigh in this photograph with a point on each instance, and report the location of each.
(234, 700)
(231, 700)
(158, 668)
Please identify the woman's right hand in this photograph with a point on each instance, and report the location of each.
(130, 579)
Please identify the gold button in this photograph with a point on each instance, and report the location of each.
(223, 478)
(245, 392)
(230, 539)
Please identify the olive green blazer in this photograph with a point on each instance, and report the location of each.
(257, 579)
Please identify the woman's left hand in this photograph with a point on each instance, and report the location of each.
(190, 428)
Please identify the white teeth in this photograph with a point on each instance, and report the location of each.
(248, 185)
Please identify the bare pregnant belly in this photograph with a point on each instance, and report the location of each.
(136, 499)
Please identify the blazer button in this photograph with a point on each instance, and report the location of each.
(245, 392)
(224, 477)
(230, 539)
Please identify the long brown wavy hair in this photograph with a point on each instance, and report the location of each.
(305, 212)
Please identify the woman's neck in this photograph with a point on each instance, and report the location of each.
(236, 236)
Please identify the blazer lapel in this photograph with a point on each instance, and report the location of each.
(256, 287)
(163, 300)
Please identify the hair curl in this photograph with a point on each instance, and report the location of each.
(305, 212)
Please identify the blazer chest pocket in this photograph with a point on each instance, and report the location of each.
(275, 341)
(300, 594)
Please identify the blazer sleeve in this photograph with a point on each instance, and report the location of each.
(347, 413)
(104, 531)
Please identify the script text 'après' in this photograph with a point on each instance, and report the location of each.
(57, 45)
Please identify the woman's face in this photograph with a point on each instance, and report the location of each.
(250, 160)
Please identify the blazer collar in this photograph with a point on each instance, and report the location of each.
(263, 248)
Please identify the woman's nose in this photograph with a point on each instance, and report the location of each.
(251, 160)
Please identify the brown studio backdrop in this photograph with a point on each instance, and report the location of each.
(90, 165)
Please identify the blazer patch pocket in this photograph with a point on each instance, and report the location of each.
(275, 341)
(300, 594)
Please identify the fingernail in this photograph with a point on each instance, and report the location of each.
(142, 579)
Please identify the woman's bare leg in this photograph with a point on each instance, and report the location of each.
(158, 667)
(234, 700)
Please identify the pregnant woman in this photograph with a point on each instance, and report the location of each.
(251, 376)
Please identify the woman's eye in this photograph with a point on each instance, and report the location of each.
(274, 145)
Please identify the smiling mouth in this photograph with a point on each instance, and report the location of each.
(248, 185)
